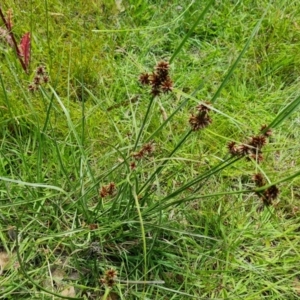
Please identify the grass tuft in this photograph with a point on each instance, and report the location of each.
(122, 177)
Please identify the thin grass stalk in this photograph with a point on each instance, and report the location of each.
(138, 208)
(208, 174)
(144, 123)
(159, 169)
(6, 97)
(233, 67)
(48, 34)
(284, 114)
(191, 30)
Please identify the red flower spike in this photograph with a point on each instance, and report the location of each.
(25, 49)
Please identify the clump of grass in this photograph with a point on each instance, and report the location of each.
(158, 214)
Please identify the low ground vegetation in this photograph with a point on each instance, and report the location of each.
(150, 150)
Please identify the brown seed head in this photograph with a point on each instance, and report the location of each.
(46, 79)
(138, 155)
(162, 65)
(111, 188)
(93, 226)
(111, 273)
(103, 192)
(162, 70)
(148, 148)
(258, 179)
(37, 80)
(40, 70)
(244, 150)
(271, 193)
(144, 79)
(233, 149)
(167, 85)
(155, 80)
(203, 107)
(108, 190)
(199, 121)
(258, 141)
(32, 87)
(133, 165)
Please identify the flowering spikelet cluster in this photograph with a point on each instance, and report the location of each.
(252, 149)
(201, 119)
(41, 77)
(146, 150)
(269, 194)
(159, 80)
(109, 278)
(108, 190)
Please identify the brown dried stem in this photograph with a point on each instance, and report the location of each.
(16, 47)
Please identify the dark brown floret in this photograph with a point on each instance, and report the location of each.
(199, 121)
(40, 70)
(162, 66)
(269, 195)
(132, 165)
(111, 188)
(109, 278)
(203, 107)
(147, 149)
(32, 87)
(159, 79)
(233, 149)
(108, 190)
(259, 180)
(93, 226)
(103, 192)
(162, 70)
(155, 80)
(46, 79)
(37, 80)
(167, 85)
(243, 150)
(144, 79)
(111, 273)
(110, 282)
(138, 155)
(258, 141)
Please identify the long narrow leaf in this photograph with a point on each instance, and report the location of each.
(35, 185)
(233, 67)
(285, 113)
(191, 30)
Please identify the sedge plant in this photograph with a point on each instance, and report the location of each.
(131, 224)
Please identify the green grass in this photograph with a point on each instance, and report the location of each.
(187, 223)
